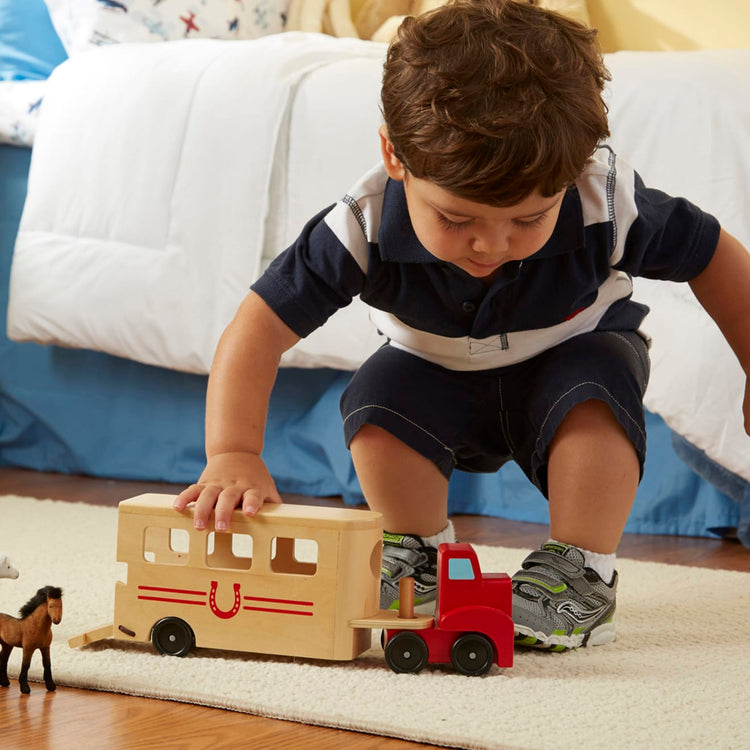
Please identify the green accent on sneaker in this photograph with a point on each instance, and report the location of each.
(390, 538)
(555, 547)
(552, 589)
(417, 602)
(526, 640)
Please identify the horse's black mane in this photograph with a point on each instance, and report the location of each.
(41, 596)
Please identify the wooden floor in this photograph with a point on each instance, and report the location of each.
(82, 720)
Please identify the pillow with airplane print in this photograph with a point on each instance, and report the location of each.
(20, 103)
(82, 24)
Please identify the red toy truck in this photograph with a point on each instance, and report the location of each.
(472, 627)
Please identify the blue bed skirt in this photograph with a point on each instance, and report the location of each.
(83, 412)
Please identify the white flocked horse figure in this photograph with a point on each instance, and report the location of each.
(6, 569)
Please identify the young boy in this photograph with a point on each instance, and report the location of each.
(495, 245)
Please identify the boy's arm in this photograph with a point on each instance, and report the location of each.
(723, 288)
(239, 387)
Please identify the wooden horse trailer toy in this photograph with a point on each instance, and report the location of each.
(295, 580)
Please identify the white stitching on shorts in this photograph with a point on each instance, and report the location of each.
(504, 420)
(635, 351)
(406, 419)
(580, 385)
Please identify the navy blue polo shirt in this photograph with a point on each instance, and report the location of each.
(610, 228)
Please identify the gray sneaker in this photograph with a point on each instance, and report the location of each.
(406, 555)
(560, 604)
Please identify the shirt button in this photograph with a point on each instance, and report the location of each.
(468, 307)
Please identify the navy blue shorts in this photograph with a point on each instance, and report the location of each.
(477, 421)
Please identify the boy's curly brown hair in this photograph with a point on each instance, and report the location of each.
(493, 99)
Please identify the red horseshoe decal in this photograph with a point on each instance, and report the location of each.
(225, 615)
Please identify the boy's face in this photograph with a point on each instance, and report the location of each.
(476, 237)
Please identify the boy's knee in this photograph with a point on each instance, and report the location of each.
(588, 419)
(370, 435)
(372, 440)
(591, 412)
(376, 446)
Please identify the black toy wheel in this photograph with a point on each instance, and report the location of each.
(406, 652)
(472, 654)
(172, 636)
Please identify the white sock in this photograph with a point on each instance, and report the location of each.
(603, 564)
(448, 534)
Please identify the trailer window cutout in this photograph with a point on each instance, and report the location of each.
(164, 546)
(230, 551)
(294, 556)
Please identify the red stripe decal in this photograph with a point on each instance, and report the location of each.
(171, 601)
(172, 591)
(278, 611)
(276, 601)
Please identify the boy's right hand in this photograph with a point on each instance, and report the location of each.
(229, 480)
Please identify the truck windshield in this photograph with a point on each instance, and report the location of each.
(459, 569)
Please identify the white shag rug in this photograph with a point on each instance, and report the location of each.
(677, 677)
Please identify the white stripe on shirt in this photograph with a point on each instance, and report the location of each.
(468, 354)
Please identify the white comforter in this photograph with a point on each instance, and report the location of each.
(165, 176)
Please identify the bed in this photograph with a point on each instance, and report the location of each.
(104, 369)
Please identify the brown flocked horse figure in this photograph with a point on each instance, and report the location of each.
(31, 631)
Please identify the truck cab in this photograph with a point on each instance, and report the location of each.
(473, 624)
(462, 584)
